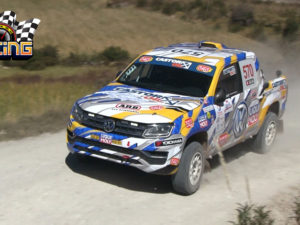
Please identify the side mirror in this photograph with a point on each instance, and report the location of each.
(278, 73)
(266, 85)
(220, 96)
(118, 73)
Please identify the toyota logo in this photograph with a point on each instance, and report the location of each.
(109, 125)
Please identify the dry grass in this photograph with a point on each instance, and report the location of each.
(80, 27)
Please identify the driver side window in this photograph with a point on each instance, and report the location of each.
(231, 81)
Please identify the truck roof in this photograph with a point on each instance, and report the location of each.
(211, 53)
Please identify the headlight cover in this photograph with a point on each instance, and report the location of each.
(77, 113)
(158, 130)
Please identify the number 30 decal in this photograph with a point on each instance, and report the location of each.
(248, 71)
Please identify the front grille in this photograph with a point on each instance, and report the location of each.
(155, 157)
(123, 127)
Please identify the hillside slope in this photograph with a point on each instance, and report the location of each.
(80, 27)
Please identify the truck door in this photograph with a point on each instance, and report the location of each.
(232, 113)
(251, 82)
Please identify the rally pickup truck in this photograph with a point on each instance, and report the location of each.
(174, 107)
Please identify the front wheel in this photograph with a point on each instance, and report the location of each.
(187, 179)
(266, 136)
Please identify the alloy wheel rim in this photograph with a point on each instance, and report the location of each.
(270, 133)
(195, 168)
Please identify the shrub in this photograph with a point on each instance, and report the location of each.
(156, 4)
(114, 53)
(253, 215)
(46, 56)
(170, 8)
(242, 14)
(291, 27)
(77, 59)
(258, 32)
(43, 57)
(196, 4)
(141, 3)
(297, 210)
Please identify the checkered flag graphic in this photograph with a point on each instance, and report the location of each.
(24, 30)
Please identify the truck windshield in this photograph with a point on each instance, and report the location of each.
(166, 79)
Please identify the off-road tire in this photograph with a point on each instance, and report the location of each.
(182, 181)
(266, 136)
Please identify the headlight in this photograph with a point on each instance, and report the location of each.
(158, 130)
(77, 113)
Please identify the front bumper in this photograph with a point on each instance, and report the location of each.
(150, 161)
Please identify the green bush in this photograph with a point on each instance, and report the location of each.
(77, 59)
(253, 215)
(242, 14)
(156, 4)
(141, 3)
(297, 210)
(258, 32)
(114, 53)
(170, 8)
(43, 57)
(291, 27)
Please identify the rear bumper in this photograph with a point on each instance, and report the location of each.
(147, 161)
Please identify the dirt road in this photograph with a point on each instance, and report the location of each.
(41, 184)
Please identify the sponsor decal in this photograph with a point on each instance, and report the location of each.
(107, 139)
(223, 139)
(248, 74)
(279, 83)
(152, 98)
(282, 87)
(250, 82)
(208, 115)
(189, 123)
(240, 120)
(174, 161)
(147, 95)
(116, 142)
(230, 71)
(253, 108)
(172, 142)
(253, 119)
(253, 113)
(187, 52)
(203, 123)
(128, 106)
(208, 108)
(95, 137)
(228, 106)
(183, 64)
(156, 107)
(253, 93)
(204, 68)
(146, 59)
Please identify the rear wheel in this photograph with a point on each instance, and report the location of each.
(266, 136)
(187, 179)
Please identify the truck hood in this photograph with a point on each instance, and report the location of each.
(137, 104)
